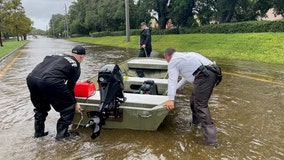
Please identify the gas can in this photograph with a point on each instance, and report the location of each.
(84, 89)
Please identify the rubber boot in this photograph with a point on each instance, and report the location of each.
(209, 132)
(39, 129)
(66, 117)
(62, 132)
(39, 124)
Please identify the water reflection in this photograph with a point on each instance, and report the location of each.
(248, 114)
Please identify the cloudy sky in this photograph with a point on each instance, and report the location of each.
(40, 11)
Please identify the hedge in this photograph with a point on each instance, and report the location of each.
(238, 27)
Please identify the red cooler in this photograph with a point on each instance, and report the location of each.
(84, 89)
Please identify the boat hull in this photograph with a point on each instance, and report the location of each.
(139, 111)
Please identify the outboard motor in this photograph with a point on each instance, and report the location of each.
(111, 88)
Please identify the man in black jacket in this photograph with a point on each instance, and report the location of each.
(52, 82)
(145, 41)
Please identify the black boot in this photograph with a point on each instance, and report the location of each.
(39, 130)
(209, 132)
(39, 125)
(66, 117)
(62, 132)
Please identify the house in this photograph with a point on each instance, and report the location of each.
(271, 16)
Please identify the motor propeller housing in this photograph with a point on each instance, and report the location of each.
(111, 89)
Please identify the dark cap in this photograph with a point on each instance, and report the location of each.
(143, 23)
(79, 50)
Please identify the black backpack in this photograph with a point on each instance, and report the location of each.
(149, 87)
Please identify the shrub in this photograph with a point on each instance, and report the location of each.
(238, 27)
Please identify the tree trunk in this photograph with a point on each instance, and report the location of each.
(227, 10)
(162, 13)
(1, 44)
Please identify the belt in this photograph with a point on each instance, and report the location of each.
(204, 69)
(213, 68)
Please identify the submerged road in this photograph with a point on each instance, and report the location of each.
(247, 108)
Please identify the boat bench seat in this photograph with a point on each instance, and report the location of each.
(137, 98)
(145, 99)
(145, 63)
(133, 80)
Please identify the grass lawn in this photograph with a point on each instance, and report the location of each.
(10, 46)
(260, 47)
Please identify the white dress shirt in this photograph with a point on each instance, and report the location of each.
(183, 64)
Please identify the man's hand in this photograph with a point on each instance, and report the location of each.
(143, 46)
(170, 104)
(78, 108)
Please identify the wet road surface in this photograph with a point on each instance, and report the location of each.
(247, 109)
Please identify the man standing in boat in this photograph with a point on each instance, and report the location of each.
(145, 41)
(52, 82)
(204, 75)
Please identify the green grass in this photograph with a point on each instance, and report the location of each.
(260, 47)
(10, 46)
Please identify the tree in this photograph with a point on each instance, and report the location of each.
(111, 14)
(57, 25)
(206, 11)
(87, 16)
(3, 15)
(77, 16)
(241, 10)
(13, 20)
(19, 25)
(226, 10)
(181, 11)
(160, 7)
(138, 12)
(262, 6)
(278, 5)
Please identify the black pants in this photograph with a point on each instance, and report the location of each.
(44, 93)
(145, 52)
(202, 90)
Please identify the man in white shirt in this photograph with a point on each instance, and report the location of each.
(204, 75)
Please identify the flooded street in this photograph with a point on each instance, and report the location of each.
(247, 109)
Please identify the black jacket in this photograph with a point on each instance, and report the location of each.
(145, 38)
(58, 69)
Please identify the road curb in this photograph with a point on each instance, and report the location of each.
(12, 52)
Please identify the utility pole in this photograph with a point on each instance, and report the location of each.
(127, 21)
(53, 36)
(66, 22)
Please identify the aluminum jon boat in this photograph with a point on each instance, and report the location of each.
(129, 95)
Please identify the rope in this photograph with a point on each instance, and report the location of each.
(82, 117)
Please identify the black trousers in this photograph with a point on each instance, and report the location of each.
(145, 52)
(44, 93)
(202, 90)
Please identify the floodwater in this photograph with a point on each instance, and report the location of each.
(247, 108)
